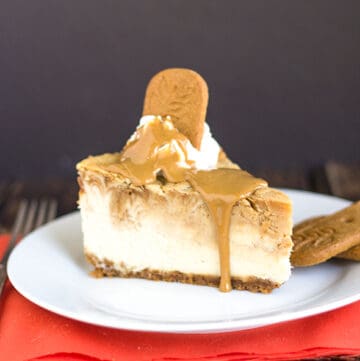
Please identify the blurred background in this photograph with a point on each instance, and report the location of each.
(284, 78)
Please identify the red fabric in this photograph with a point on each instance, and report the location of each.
(27, 332)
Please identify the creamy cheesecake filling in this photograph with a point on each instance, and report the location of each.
(133, 236)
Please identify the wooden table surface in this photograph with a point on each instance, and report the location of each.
(338, 179)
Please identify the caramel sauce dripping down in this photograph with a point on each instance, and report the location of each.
(221, 189)
(159, 147)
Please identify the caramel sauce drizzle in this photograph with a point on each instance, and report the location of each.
(160, 148)
(221, 189)
(157, 147)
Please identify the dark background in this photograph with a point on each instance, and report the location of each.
(284, 77)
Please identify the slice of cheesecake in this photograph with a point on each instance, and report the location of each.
(171, 206)
(164, 230)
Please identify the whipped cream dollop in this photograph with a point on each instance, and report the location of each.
(203, 159)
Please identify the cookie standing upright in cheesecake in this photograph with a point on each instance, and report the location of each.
(171, 206)
(182, 94)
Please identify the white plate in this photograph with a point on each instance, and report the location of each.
(49, 269)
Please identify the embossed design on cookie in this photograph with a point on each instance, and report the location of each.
(316, 237)
(319, 239)
(181, 94)
(174, 98)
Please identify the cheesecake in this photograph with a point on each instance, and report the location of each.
(172, 208)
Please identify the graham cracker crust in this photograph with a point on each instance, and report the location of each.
(105, 268)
